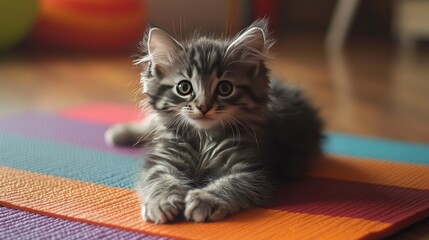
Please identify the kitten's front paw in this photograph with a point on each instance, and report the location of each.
(162, 210)
(203, 206)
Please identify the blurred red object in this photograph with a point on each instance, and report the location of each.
(267, 9)
(96, 25)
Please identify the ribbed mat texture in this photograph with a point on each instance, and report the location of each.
(15, 224)
(58, 168)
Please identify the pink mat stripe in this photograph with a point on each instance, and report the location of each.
(106, 113)
(339, 198)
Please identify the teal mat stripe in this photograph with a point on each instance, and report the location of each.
(394, 151)
(55, 159)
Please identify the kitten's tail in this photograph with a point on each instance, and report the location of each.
(296, 133)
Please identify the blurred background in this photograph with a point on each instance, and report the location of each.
(365, 64)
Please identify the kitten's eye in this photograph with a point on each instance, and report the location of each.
(224, 88)
(184, 87)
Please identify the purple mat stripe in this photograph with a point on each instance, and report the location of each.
(64, 130)
(15, 224)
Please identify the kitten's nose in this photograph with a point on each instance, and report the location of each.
(204, 108)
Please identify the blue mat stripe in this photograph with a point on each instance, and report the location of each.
(55, 159)
(395, 151)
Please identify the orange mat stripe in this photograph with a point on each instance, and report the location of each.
(373, 171)
(115, 207)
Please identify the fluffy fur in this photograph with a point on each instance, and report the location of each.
(216, 149)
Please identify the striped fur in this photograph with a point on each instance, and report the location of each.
(210, 154)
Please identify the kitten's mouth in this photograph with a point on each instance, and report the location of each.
(203, 121)
(203, 118)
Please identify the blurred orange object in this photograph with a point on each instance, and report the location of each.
(97, 25)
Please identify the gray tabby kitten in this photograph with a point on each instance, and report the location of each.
(219, 132)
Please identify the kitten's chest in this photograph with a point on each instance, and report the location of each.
(215, 152)
(210, 153)
(208, 164)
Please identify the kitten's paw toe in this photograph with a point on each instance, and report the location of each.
(153, 214)
(162, 211)
(203, 206)
(219, 214)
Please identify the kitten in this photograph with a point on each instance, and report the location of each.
(219, 132)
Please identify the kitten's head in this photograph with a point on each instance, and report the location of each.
(207, 82)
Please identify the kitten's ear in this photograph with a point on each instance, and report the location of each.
(162, 49)
(252, 43)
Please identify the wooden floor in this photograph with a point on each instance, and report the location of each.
(371, 89)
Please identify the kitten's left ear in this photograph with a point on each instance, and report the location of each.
(252, 43)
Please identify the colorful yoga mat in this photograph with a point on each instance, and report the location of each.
(58, 178)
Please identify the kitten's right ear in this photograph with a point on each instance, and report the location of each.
(162, 49)
(252, 44)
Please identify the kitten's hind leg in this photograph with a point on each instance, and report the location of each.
(130, 134)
